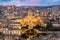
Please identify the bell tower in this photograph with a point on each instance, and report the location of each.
(30, 13)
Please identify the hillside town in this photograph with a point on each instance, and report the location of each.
(15, 21)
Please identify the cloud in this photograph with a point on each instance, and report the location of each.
(19, 3)
(29, 2)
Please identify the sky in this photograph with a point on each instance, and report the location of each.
(30, 2)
